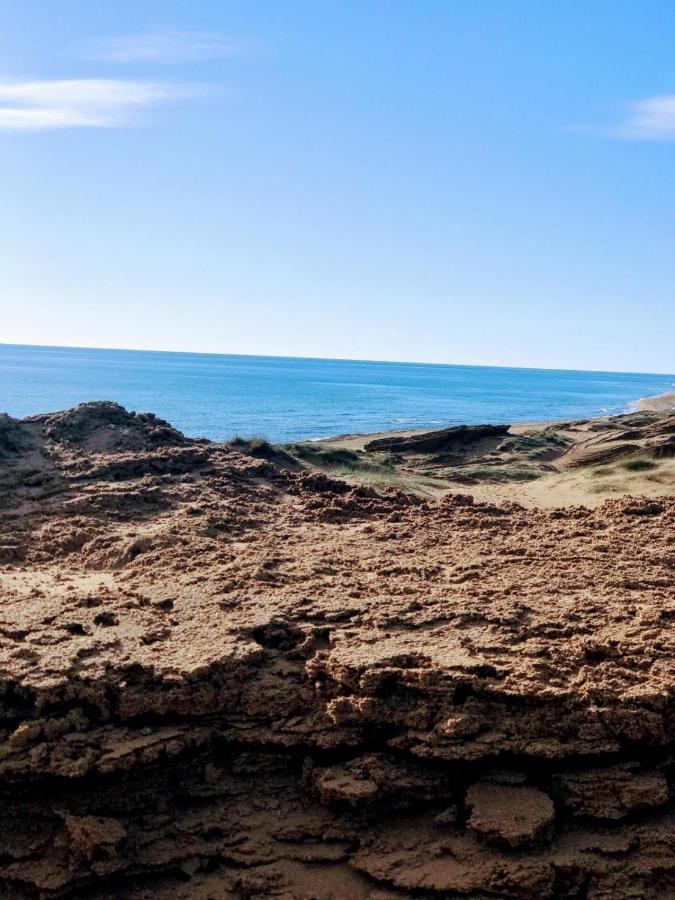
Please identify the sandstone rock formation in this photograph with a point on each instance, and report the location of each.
(221, 678)
(459, 436)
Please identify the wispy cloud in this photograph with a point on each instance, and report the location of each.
(94, 102)
(650, 119)
(162, 47)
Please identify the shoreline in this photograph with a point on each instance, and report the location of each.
(659, 403)
(410, 432)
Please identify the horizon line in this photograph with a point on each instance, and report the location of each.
(346, 359)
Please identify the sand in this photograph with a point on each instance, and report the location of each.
(661, 403)
(230, 677)
(536, 464)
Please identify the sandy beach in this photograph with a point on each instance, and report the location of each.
(661, 403)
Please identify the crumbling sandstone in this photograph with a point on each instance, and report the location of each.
(221, 678)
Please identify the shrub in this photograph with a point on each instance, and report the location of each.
(255, 446)
(324, 457)
(638, 465)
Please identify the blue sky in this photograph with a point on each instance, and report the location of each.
(431, 180)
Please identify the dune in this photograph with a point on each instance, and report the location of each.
(226, 673)
(544, 464)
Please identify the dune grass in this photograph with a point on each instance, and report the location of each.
(257, 446)
(324, 457)
(535, 441)
(339, 460)
(605, 487)
(501, 473)
(600, 471)
(536, 446)
(386, 477)
(357, 468)
(638, 464)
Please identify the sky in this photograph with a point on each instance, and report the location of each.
(473, 182)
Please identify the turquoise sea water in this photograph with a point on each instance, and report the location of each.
(286, 399)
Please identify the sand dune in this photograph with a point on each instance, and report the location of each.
(545, 464)
(228, 674)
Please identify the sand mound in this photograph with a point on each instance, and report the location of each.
(650, 439)
(107, 427)
(223, 678)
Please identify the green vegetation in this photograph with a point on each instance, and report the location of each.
(324, 457)
(604, 426)
(356, 467)
(535, 444)
(661, 478)
(259, 447)
(386, 477)
(638, 419)
(338, 460)
(500, 473)
(639, 464)
(604, 487)
(518, 458)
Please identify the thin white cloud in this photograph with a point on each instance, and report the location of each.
(162, 47)
(93, 102)
(650, 119)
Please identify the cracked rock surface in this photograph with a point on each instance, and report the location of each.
(220, 678)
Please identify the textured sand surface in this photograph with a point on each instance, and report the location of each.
(220, 678)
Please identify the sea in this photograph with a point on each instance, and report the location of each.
(287, 399)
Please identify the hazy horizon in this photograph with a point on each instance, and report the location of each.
(346, 359)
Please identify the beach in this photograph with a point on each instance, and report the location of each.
(661, 403)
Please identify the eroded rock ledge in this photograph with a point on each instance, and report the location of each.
(220, 678)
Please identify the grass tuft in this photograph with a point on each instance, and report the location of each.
(599, 471)
(339, 461)
(500, 473)
(534, 442)
(639, 464)
(605, 487)
(258, 446)
(324, 457)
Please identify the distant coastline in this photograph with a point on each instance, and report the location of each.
(659, 403)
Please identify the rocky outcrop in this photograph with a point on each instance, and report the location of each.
(508, 814)
(443, 439)
(220, 678)
(652, 436)
(105, 426)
